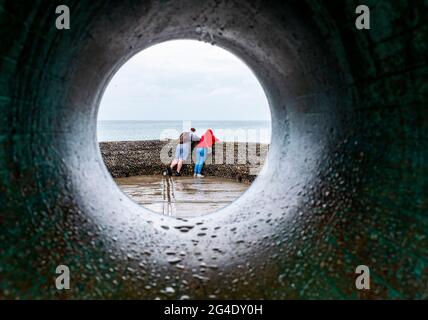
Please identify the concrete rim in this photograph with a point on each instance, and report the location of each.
(344, 184)
(301, 129)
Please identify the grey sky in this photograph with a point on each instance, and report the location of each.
(184, 80)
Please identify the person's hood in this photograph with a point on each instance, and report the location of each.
(208, 139)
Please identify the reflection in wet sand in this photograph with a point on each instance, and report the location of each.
(182, 196)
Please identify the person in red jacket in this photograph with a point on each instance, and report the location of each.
(206, 142)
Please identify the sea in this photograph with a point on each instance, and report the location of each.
(227, 131)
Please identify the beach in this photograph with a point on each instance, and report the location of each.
(137, 168)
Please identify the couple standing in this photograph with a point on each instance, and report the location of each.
(184, 148)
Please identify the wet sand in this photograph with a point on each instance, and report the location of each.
(182, 196)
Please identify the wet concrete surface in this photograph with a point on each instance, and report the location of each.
(182, 196)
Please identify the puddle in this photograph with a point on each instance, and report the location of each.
(182, 196)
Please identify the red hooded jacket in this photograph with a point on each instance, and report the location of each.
(207, 140)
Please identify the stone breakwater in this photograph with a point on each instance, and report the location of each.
(240, 161)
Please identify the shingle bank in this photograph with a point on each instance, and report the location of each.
(240, 161)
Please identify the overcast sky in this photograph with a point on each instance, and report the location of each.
(184, 80)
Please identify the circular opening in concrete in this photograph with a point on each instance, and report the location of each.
(255, 239)
(286, 60)
(254, 247)
(184, 88)
(301, 127)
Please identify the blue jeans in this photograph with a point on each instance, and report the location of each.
(201, 156)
